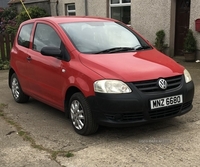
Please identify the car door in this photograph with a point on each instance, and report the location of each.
(20, 50)
(47, 79)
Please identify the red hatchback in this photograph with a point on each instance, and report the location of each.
(98, 71)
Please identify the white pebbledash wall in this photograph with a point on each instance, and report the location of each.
(147, 16)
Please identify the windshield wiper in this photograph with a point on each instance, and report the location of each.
(116, 49)
(143, 47)
(123, 49)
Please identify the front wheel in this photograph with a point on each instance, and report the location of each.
(81, 116)
(16, 89)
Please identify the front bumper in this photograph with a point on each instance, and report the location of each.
(134, 108)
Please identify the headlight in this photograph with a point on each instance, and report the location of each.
(111, 86)
(187, 76)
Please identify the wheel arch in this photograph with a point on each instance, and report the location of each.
(70, 91)
(11, 72)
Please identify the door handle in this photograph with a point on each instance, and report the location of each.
(29, 58)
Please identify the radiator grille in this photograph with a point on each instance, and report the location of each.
(154, 114)
(125, 116)
(152, 86)
(164, 112)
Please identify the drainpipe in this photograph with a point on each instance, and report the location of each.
(86, 7)
(57, 12)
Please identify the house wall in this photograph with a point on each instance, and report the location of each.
(80, 7)
(61, 6)
(95, 7)
(157, 15)
(53, 6)
(194, 14)
(150, 16)
(147, 17)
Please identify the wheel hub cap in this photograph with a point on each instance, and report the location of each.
(77, 115)
(15, 88)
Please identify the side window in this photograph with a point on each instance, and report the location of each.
(25, 35)
(45, 35)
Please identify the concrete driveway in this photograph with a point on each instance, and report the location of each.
(36, 135)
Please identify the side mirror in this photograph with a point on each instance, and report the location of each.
(51, 51)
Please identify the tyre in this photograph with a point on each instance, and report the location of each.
(81, 116)
(16, 89)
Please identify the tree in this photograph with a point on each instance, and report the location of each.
(34, 12)
(9, 13)
(10, 19)
(7, 18)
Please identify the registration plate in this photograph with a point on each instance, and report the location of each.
(166, 101)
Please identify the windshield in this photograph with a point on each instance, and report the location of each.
(103, 37)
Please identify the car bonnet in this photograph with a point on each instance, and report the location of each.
(132, 66)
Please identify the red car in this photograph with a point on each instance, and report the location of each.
(98, 71)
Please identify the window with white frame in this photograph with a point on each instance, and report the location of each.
(121, 10)
(70, 9)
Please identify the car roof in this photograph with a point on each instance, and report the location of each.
(68, 19)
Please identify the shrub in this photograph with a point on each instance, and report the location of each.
(7, 19)
(190, 42)
(34, 12)
(9, 13)
(4, 65)
(159, 43)
(10, 20)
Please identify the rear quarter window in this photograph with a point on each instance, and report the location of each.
(25, 35)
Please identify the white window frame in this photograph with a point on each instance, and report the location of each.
(68, 11)
(120, 4)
